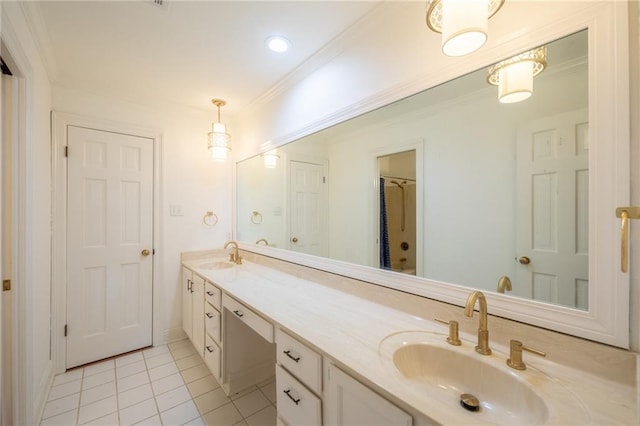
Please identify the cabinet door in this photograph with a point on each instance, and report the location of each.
(197, 299)
(187, 311)
(349, 402)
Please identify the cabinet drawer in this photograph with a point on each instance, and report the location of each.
(213, 295)
(299, 360)
(212, 322)
(296, 404)
(261, 326)
(212, 356)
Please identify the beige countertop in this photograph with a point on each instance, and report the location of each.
(352, 330)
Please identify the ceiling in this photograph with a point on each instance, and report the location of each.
(185, 52)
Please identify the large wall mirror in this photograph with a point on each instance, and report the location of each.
(449, 186)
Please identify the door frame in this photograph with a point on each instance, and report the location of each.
(59, 123)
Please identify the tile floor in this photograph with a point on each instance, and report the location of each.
(163, 385)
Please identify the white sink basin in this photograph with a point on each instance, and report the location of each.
(435, 370)
(219, 264)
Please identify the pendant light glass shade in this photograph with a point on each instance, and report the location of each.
(514, 76)
(463, 23)
(219, 138)
(270, 160)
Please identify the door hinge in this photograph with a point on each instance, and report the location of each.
(65, 330)
(153, 251)
(66, 151)
(324, 179)
(6, 285)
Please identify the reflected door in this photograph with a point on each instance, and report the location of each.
(109, 243)
(553, 195)
(307, 201)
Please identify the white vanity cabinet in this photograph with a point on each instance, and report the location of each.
(193, 308)
(349, 402)
(213, 327)
(298, 382)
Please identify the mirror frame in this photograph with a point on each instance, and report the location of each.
(607, 319)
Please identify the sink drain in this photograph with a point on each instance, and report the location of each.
(469, 402)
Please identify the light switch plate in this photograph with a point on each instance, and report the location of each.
(175, 210)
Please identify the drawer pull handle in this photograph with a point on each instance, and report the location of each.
(209, 315)
(210, 349)
(238, 313)
(288, 353)
(210, 293)
(288, 392)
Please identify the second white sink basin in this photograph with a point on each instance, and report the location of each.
(438, 371)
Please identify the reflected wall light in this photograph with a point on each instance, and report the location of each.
(514, 76)
(463, 23)
(270, 160)
(218, 137)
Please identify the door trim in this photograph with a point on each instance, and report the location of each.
(60, 122)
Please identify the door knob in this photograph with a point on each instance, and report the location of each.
(294, 239)
(145, 252)
(524, 260)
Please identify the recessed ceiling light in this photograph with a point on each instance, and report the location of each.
(278, 44)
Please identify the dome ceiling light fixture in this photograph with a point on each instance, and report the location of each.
(463, 23)
(218, 137)
(514, 76)
(277, 43)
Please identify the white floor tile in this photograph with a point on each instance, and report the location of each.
(64, 419)
(128, 359)
(134, 396)
(98, 379)
(270, 392)
(97, 393)
(65, 389)
(265, 417)
(188, 362)
(151, 421)
(137, 413)
(160, 359)
(162, 371)
(194, 373)
(155, 351)
(59, 406)
(172, 398)
(167, 383)
(251, 403)
(202, 386)
(180, 344)
(211, 400)
(133, 381)
(195, 422)
(98, 368)
(69, 376)
(130, 369)
(181, 414)
(224, 416)
(108, 420)
(183, 352)
(97, 409)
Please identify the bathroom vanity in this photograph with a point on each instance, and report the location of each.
(346, 352)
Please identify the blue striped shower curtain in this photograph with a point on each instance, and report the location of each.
(385, 255)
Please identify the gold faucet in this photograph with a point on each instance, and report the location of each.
(234, 256)
(483, 330)
(504, 284)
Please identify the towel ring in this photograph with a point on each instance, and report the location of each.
(256, 217)
(210, 219)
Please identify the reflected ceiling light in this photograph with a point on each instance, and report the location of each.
(514, 76)
(463, 23)
(270, 160)
(218, 137)
(278, 44)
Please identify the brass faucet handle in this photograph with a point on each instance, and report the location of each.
(515, 354)
(454, 338)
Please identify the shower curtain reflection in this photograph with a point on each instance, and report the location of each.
(400, 218)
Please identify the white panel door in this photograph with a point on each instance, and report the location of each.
(553, 222)
(307, 200)
(109, 244)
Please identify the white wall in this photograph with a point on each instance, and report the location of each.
(189, 179)
(34, 265)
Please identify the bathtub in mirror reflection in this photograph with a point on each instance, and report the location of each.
(495, 184)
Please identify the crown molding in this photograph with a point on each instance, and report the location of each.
(35, 22)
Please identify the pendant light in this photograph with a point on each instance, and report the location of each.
(463, 23)
(514, 76)
(218, 137)
(270, 160)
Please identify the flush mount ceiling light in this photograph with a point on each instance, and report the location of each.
(218, 137)
(277, 44)
(514, 76)
(463, 23)
(270, 160)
